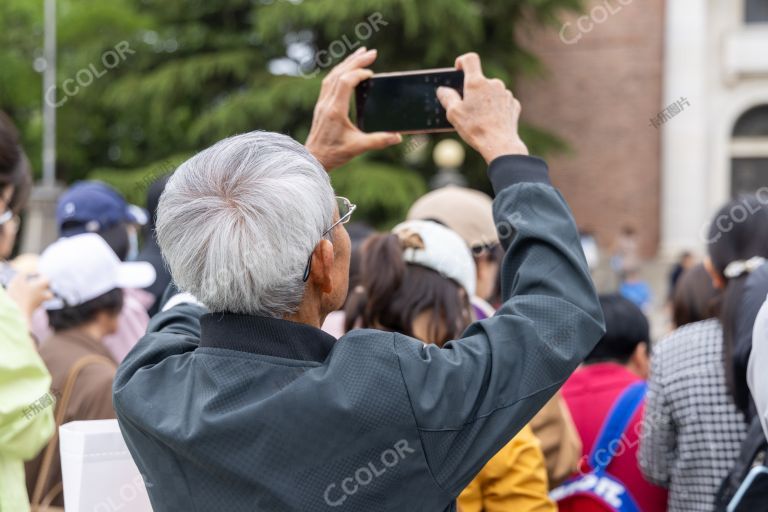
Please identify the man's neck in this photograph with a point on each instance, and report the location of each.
(308, 314)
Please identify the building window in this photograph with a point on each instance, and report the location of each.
(756, 11)
(749, 151)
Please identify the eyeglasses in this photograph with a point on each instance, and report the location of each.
(345, 213)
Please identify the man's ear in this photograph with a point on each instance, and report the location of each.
(322, 266)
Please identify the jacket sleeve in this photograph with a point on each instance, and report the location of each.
(658, 445)
(172, 332)
(473, 395)
(26, 419)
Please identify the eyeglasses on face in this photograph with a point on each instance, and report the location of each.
(345, 213)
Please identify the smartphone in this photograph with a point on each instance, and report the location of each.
(752, 492)
(405, 102)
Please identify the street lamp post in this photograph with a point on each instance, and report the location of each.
(49, 96)
(448, 155)
(39, 228)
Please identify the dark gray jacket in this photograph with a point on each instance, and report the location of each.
(234, 412)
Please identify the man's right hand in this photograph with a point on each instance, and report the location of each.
(487, 117)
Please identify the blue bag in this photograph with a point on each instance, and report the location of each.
(599, 485)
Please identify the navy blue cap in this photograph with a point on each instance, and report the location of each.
(92, 206)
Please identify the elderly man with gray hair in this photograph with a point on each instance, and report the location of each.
(236, 400)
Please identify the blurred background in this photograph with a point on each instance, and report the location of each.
(650, 113)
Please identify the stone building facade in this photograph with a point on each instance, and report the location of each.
(664, 105)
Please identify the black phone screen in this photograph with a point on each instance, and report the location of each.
(405, 102)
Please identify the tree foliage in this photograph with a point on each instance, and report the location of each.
(202, 70)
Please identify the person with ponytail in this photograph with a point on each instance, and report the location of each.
(428, 300)
(418, 280)
(692, 431)
(737, 244)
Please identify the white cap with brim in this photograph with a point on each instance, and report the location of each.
(434, 246)
(83, 267)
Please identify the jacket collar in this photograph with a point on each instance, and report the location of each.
(265, 336)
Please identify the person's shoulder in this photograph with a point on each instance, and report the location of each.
(683, 342)
(388, 349)
(99, 374)
(136, 301)
(761, 272)
(366, 336)
(365, 344)
(757, 283)
(692, 332)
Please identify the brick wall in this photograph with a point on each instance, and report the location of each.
(599, 94)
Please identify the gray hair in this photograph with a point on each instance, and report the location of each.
(238, 221)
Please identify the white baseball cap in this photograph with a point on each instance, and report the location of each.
(83, 267)
(440, 249)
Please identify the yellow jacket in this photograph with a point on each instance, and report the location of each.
(515, 479)
(26, 423)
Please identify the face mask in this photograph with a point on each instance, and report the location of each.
(133, 244)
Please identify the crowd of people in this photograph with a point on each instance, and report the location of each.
(261, 350)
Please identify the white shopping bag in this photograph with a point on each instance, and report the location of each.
(98, 472)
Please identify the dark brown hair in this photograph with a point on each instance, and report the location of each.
(695, 298)
(392, 293)
(14, 165)
(736, 240)
(72, 317)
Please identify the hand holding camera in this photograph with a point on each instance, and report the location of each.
(333, 139)
(487, 117)
(412, 102)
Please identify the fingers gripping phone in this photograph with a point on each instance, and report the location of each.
(405, 102)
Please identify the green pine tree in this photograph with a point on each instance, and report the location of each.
(203, 70)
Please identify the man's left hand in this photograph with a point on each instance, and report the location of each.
(333, 138)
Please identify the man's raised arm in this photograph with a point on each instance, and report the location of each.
(471, 397)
